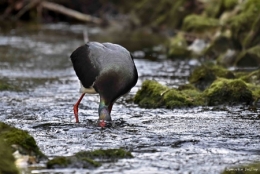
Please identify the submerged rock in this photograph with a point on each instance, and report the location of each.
(227, 91)
(203, 76)
(89, 159)
(154, 95)
(7, 161)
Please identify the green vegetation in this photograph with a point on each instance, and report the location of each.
(14, 136)
(86, 159)
(59, 162)
(7, 161)
(105, 154)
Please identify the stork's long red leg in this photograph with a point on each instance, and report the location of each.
(76, 106)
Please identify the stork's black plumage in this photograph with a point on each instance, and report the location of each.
(104, 68)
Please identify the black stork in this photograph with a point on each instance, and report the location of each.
(107, 69)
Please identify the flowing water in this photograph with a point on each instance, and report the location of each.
(192, 140)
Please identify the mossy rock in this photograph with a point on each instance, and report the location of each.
(154, 95)
(204, 75)
(253, 168)
(227, 91)
(72, 162)
(21, 138)
(89, 159)
(7, 161)
(249, 58)
(106, 154)
(178, 47)
(198, 23)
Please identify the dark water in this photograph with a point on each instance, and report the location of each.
(192, 140)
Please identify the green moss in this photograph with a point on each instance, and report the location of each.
(58, 162)
(178, 47)
(204, 75)
(253, 168)
(7, 161)
(225, 91)
(108, 154)
(197, 23)
(154, 95)
(12, 136)
(150, 95)
(85, 159)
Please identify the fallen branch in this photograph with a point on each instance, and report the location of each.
(27, 7)
(66, 11)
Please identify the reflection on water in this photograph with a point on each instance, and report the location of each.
(199, 140)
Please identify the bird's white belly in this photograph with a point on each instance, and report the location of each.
(90, 90)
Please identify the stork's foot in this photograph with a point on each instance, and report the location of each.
(104, 123)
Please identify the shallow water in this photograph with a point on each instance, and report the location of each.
(192, 140)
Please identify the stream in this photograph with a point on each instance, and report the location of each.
(189, 140)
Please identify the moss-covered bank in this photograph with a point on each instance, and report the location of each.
(7, 161)
(89, 159)
(24, 142)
